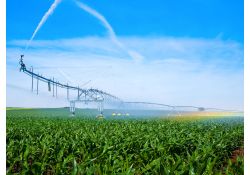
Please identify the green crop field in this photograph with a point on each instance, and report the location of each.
(50, 142)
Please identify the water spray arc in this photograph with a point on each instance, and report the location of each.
(43, 20)
(111, 33)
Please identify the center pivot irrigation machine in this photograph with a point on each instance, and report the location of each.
(83, 95)
(98, 96)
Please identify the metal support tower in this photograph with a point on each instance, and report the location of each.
(72, 108)
(32, 79)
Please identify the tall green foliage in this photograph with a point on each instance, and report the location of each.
(38, 143)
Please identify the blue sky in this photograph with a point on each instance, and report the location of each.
(193, 18)
(173, 52)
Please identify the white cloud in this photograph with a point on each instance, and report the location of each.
(179, 71)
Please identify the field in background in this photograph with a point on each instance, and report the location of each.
(132, 113)
(49, 141)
